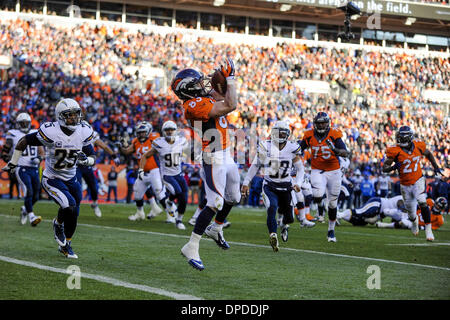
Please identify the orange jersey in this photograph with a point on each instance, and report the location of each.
(322, 157)
(196, 111)
(436, 219)
(410, 169)
(142, 148)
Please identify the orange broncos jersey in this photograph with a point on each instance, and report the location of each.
(436, 219)
(142, 148)
(410, 169)
(196, 111)
(322, 157)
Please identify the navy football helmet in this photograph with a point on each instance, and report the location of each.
(405, 136)
(321, 123)
(440, 205)
(189, 84)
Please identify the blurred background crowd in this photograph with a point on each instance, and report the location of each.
(372, 92)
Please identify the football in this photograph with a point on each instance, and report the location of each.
(219, 82)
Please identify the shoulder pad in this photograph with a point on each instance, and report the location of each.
(47, 130)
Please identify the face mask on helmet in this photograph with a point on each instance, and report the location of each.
(190, 83)
(280, 135)
(142, 134)
(24, 126)
(71, 118)
(404, 140)
(169, 134)
(439, 205)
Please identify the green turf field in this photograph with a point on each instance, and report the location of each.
(121, 259)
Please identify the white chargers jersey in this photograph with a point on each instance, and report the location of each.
(390, 203)
(277, 163)
(383, 182)
(170, 154)
(62, 150)
(29, 153)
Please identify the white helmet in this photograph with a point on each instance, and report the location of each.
(169, 125)
(280, 132)
(143, 130)
(24, 122)
(357, 172)
(64, 110)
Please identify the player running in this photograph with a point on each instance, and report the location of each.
(68, 144)
(405, 157)
(27, 172)
(169, 149)
(326, 146)
(277, 156)
(151, 176)
(206, 111)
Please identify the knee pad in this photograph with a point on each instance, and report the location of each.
(216, 203)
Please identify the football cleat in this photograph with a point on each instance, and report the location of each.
(60, 237)
(217, 236)
(180, 225)
(331, 237)
(306, 224)
(226, 224)
(67, 251)
(310, 217)
(139, 215)
(169, 218)
(429, 233)
(171, 208)
(415, 226)
(321, 219)
(190, 252)
(192, 221)
(97, 211)
(155, 209)
(284, 233)
(35, 221)
(273, 239)
(23, 215)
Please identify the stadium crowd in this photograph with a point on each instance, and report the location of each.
(372, 92)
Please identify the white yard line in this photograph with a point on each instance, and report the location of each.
(419, 244)
(104, 279)
(257, 245)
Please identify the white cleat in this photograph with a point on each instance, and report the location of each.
(23, 215)
(180, 225)
(429, 233)
(190, 252)
(35, 221)
(169, 218)
(273, 239)
(306, 224)
(192, 221)
(217, 235)
(321, 219)
(415, 226)
(97, 212)
(139, 215)
(155, 210)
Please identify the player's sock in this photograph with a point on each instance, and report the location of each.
(203, 220)
(195, 238)
(331, 224)
(179, 217)
(70, 221)
(222, 214)
(426, 215)
(301, 214)
(271, 220)
(332, 213)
